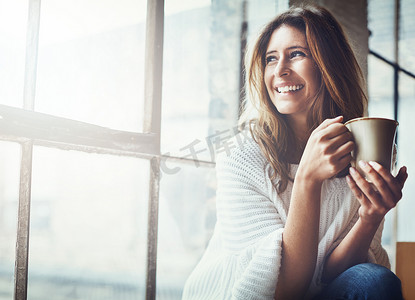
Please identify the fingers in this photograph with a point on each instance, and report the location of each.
(357, 192)
(345, 160)
(342, 144)
(334, 143)
(326, 123)
(335, 131)
(365, 187)
(339, 141)
(387, 192)
(394, 183)
(402, 175)
(383, 191)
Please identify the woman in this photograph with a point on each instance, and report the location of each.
(291, 224)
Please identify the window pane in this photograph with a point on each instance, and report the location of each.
(186, 68)
(88, 226)
(406, 147)
(186, 219)
(9, 197)
(201, 71)
(407, 35)
(13, 22)
(91, 61)
(260, 12)
(380, 88)
(381, 25)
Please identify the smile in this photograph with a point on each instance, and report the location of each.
(290, 88)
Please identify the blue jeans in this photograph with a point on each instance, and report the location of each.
(363, 281)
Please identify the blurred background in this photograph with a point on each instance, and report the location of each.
(82, 63)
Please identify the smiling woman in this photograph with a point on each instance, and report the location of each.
(289, 220)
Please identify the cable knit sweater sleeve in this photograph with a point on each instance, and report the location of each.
(243, 258)
(251, 226)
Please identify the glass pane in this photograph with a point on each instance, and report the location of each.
(88, 226)
(380, 84)
(9, 197)
(91, 61)
(201, 72)
(260, 12)
(13, 22)
(186, 220)
(406, 147)
(407, 35)
(381, 25)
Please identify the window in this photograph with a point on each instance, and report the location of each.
(108, 171)
(13, 20)
(391, 95)
(90, 64)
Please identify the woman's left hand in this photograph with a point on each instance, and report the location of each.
(378, 196)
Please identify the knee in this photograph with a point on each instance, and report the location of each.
(377, 273)
(364, 281)
(378, 279)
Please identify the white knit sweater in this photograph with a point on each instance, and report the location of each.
(243, 258)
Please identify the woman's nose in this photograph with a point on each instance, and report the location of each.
(281, 69)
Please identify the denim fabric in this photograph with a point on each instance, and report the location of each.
(364, 281)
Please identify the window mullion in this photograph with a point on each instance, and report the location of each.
(23, 224)
(20, 124)
(32, 42)
(152, 124)
(396, 54)
(153, 66)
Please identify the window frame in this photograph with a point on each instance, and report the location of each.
(30, 128)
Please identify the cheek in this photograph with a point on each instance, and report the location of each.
(314, 80)
(268, 81)
(316, 76)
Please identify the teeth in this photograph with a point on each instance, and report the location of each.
(290, 88)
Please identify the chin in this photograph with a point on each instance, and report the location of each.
(292, 109)
(287, 110)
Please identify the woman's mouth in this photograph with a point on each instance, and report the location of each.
(290, 88)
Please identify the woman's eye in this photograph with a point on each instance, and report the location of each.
(297, 54)
(270, 59)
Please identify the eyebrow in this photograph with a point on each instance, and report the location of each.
(289, 48)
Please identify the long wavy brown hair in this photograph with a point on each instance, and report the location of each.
(341, 89)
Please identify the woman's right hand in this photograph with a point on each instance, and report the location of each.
(327, 152)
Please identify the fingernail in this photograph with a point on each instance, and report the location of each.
(362, 164)
(352, 170)
(348, 179)
(374, 164)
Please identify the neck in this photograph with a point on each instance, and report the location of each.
(299, 126)
(301, 135)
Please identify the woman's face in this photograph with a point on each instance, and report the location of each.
(291, 76)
